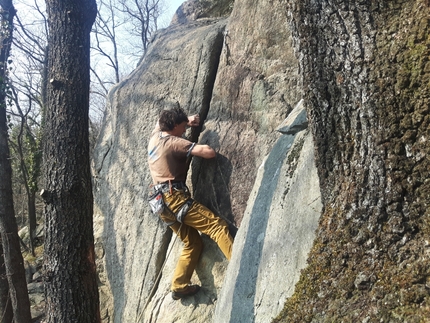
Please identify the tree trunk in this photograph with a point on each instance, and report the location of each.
(6, 312)
(32, 223)
(366, 74)
(70, 274)
(14, 263)
(29, 181)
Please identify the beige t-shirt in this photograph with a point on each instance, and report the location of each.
(167, 157)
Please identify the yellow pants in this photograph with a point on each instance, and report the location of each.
(198, 218)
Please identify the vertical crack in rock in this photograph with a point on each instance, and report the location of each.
(209, 82)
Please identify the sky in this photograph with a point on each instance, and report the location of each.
(172, 6)
(128, 61)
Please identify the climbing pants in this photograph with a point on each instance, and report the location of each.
(198, 218)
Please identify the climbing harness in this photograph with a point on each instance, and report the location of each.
(158, 205)
(183, 210)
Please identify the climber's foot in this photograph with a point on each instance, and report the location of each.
(188, 291)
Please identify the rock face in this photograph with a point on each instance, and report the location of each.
(275, 236)
(364, 75)
(192, 10)
(131, 242)
(241, 75)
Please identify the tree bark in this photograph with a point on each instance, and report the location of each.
(70, 274)
(366, 74)
(6, 312)
(13, 260)
(32, 222)
(29, 179)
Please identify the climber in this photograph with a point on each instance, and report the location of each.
(167, 158)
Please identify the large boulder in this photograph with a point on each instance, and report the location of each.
(241, 76)
(131, 243)
(196, 9)
(277, 231)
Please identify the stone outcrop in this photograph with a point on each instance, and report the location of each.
(276, 233)
(192, 10)
(241, 76)
(363, 76)
(131, 243)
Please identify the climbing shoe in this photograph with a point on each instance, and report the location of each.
(188, 291)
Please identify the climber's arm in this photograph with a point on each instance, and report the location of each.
(203, 151)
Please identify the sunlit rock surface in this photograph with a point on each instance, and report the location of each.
(242, 78)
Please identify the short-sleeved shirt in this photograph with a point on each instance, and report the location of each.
(167, 157)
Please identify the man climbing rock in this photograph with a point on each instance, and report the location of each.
(167, 158)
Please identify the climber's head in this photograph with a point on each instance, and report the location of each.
(172, 119)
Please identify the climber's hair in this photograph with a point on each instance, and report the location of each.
(170, 118)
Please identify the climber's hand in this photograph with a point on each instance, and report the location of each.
(194, 121)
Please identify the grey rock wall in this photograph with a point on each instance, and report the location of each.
(131, 243)
(192, 10)
(276, 234)
(256, 86)
(241, 75)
